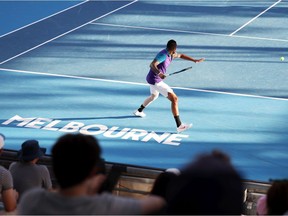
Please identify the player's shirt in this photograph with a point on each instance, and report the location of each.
(164, 58)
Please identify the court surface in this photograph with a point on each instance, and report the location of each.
(80, 66)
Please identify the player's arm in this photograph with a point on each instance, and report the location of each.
(186, 57)
(155, 69)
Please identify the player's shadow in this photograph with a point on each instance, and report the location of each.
(100, 117)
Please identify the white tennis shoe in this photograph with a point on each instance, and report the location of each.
(139, 114)
(183, 127)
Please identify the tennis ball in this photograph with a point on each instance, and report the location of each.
(282, 58)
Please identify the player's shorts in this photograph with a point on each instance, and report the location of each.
(161, 88)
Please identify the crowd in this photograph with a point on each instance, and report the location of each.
(209, 185)
(275, 202)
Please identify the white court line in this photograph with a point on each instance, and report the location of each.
(136, 83)
(189, 32)
(68, 32)
(260, 38)
(255, 18)
(158, 29)
(43, 19)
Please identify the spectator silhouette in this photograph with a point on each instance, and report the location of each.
(8, 195)
(277, 197)
(208, 186)
(162, 182)
(77, 166)
(26, 173)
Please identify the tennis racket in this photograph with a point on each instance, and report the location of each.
(180, 71)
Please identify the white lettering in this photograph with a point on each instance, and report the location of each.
(96, 129)
(18, 118)
(153, 135)
(174, 137)
(72, 127)
(118, 134)
(39, 122)
(135, 134)
(51, 125)
(101, 129)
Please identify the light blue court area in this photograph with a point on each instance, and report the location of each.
(118, 46)
(239, 65)
(80, 66)
(250, 129)
(207, 16)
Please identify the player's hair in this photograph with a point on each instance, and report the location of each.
(74, 158)
(171, 45)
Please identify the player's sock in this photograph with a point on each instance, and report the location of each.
(141, 108)
(177, 120)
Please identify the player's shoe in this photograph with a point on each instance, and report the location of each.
(183, 127)
(139, 114)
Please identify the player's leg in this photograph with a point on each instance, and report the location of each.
(174, 106)
(167, 92)
(154, 95)
(175, 111)
(150, 99)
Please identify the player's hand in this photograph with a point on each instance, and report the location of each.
(161, 75)
(199, 60)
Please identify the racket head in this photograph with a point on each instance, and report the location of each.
(180, 71)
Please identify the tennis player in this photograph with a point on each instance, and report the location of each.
(155, 78)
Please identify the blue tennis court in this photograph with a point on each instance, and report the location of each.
(80, 66)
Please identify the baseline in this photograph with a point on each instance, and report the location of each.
(137, 83)
(188, 32)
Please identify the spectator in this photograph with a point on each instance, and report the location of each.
(26, 173)
(277, 198)
(8, 195)
(162, 182)
(210, 186)
(161, 185)
(261, 206)
(221, 156)
(75, 159)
